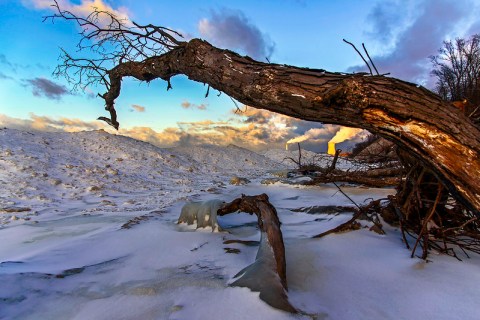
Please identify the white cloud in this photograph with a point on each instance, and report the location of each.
(412, 30)
(187, 105)
(83, 9)
(136, 107)
(233, 30)
(255, 129)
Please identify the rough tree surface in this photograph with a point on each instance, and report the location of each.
(416, 119)
(267, 274)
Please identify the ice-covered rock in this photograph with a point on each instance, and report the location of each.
(204, 214)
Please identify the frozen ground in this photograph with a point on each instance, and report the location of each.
(88, 231)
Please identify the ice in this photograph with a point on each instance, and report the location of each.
(88, 231)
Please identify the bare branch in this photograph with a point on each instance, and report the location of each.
(109, 40)
(370, 59)
(360, 54)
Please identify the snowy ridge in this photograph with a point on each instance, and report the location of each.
(40, 170)
(232, 159)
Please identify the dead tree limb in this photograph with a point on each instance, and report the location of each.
(423, 230)
(368, 212)
(351, 224)
(412, 117)
(416, 119)
(370, 59)
(271, 291)
(267, 222)
(363, 178)
(334, 162)
(360, 54)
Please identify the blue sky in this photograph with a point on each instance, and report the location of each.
(400, 36)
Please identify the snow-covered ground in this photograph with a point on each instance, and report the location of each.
(88, 231)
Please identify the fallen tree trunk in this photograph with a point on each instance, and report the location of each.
(357, 178)
(270, 264)
(380, 177)
(417, 120)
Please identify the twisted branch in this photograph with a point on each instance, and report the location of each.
(108, 40)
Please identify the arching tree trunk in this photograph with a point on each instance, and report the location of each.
(416, 119)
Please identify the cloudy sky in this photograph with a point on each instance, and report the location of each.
(400, 35)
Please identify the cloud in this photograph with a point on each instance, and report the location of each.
(44, 87)
(83, 9)
(277, 130)
(168, 137)
(313, 134)
(5, 77)
(411, 31)
(44, 123)
(136, 107)
(4, 61)
(233, 30)
(187, 105)
(272, 132)
(7, 64)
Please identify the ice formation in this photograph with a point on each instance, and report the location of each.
(203, 213)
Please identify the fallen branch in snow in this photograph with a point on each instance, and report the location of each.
(366, 180)
(368, 212)
(351, 224)
(369, 172)
(269, 267)
(430, 215)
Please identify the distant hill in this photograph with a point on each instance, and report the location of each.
(42, 169)
(232, 159)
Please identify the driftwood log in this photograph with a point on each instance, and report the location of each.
(268, 274)
(416, 119)
(377, 179)
(435, 132)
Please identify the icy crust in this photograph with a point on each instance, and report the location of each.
(202, 214)
(231, 159)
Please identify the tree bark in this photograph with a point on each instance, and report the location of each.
(267, 222)
(268, 274)
(357, 178)
(436, 133)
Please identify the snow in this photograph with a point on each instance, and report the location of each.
(232, 159)
(308, 157)
(88, 231)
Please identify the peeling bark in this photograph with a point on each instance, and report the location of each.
(435, 132)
